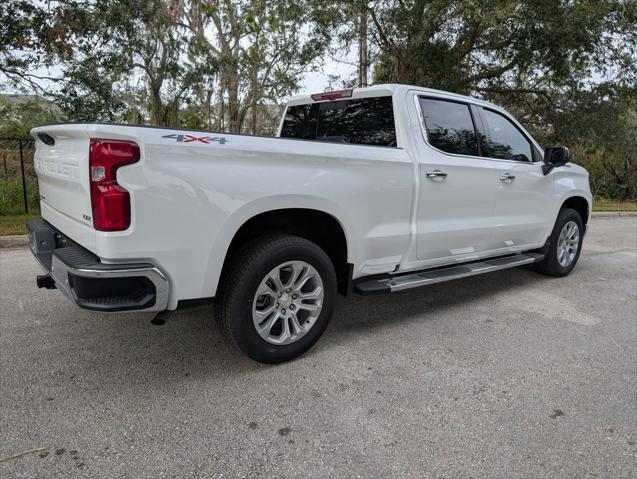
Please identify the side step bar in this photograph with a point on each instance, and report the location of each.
(438, 275)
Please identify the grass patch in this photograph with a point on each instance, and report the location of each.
(12, 196)
(12, 217)
(15, 224)
(603, 204)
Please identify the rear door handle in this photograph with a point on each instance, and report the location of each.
(507, 177)
(436, 174)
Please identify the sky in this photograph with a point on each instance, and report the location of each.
(315, 82)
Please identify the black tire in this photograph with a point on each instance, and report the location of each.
(550, 265)
(243, 275)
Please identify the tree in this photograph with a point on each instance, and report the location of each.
(147, 60)
(348, 24)
(27, 42)
(258, 51)
(600, 127)
(500, 46)
(137, 49)
(363, 50)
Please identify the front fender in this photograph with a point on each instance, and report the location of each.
(571, 181)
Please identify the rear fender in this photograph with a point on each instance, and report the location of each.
(233, 223)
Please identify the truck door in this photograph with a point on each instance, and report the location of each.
(457, 186)
(523, 213)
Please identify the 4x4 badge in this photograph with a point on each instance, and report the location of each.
(203, 139)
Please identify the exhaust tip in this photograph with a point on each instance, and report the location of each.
(160, 318)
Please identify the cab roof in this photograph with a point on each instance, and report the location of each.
(390, 89)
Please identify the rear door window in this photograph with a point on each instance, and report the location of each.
(361, 121)
(449, 126)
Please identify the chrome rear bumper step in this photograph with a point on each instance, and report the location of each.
(438, 275)
(90, 283)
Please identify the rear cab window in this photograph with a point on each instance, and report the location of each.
(300, 122)
(358, 121)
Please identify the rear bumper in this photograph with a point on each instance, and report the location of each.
(88, 282)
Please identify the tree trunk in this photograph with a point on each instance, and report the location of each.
(234, 119)
(221, 118)
(209, 109)
(156, 107)
(254, 79)
(363, 59)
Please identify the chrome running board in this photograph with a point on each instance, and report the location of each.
(439, 275)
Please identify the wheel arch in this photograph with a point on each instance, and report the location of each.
(579, 204)
(321, 223)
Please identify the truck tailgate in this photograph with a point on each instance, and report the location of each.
(62, 166)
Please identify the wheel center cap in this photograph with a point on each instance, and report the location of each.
(285, 300)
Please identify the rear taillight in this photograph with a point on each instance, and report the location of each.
(109, 201)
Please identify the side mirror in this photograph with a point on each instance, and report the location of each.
(554, 156)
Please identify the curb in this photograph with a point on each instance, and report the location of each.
(13, 241)
(611, 214)
(23, 240)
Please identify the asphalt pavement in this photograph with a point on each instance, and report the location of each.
(506, 375)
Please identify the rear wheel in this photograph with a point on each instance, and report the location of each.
(565, 244)
(277, 297)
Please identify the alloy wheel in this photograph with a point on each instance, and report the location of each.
(568, 243)
(288, 302)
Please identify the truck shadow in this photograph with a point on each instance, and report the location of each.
(128, 350)
(360, 315)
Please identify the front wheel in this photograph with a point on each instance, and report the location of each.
(277, 297)
(565, 244)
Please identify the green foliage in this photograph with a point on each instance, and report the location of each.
(27, 40)
(20, 113)
(11, 199)
(251, 52)
(125, 54)
(600, 125)
(566, 68)
(503, 45)
(150, 60)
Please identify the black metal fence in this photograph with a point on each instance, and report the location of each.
(18, 183)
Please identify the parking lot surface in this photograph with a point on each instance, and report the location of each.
(506, 375)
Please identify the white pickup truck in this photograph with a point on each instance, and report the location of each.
(372, 190)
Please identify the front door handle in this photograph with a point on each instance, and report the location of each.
(507, 177)
(436, 174)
